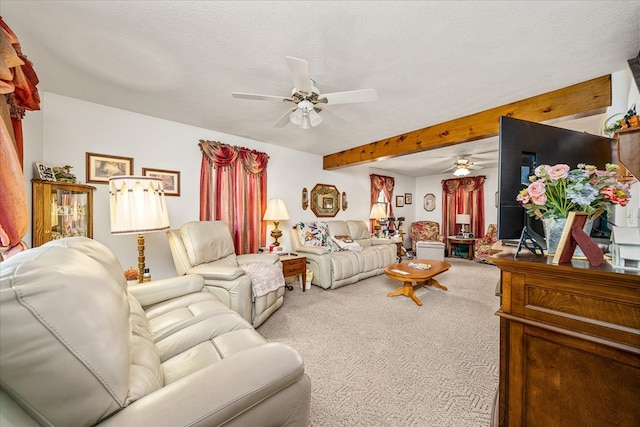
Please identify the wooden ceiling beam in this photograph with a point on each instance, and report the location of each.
(589, 97)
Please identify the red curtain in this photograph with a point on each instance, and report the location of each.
(233, 189)
(18, 93)
(463, 195)
(386, 184)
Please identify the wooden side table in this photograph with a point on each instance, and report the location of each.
(295, 265)
(456, 240)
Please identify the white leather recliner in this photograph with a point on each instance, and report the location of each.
(80, 348)
(206, 248)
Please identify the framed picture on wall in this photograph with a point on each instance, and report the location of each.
(101, 167)
(399, 201)
(429, 202)
(408, 198)
(170, 180)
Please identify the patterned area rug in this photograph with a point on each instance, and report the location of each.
(379, 361)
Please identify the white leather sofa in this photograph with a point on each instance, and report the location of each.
(206, 248)
(79, 348)
(333, 267)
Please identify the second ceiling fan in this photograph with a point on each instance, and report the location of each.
(307, 98)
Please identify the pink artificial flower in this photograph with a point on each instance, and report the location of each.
(540, 199)
(559, 171)
(523, 197)
(536, 188)
(616, 195)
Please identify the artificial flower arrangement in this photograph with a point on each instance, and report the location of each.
(556, 190)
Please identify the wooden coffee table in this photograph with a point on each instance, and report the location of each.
(415, 278)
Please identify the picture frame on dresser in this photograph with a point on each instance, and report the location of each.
(170, 179)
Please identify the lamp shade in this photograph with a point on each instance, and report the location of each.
(276, 211)
(463, 219)
(378, 211)
(137, 205)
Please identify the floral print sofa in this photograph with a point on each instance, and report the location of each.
(341, 252)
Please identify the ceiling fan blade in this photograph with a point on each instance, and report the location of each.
(363, 95)
(241, 95)
(449, 169)
(332, 119)
(284, 120)
(299, 69)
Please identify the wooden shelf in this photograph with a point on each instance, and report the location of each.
(629, 153)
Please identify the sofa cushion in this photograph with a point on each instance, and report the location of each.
(202, 248)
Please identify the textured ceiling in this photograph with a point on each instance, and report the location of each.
(429, 61)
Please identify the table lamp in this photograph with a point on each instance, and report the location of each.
(137, 205)
(463, 220)
(378, 211)
(276, 212)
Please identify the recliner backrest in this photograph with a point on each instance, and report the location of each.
(207, 241)
(65, 332)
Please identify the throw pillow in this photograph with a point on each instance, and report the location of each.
(346, 246)
(315, 233)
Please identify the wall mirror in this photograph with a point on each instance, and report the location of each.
(325, 200)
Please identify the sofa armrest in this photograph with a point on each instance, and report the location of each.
(263, 257)
(220, 392)
(156, 291)
(313, 250)
(217, 272)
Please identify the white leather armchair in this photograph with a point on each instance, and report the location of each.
(206, 248)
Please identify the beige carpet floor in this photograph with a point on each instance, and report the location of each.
(379, 361)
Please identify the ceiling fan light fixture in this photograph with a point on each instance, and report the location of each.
(461, 171)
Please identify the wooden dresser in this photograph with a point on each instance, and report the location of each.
(569, 344)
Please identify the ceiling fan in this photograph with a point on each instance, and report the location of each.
(307, 98)
(462, 167)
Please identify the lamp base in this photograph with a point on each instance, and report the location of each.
(276, 233)
(140, 258)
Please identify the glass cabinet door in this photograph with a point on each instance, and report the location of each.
(68, 214)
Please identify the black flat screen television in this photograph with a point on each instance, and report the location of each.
(525, 145)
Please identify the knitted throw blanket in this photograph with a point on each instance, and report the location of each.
(264, 277)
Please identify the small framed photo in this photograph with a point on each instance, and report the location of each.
(399, 201)
(44, 172)
(101, 167)
(170, 180)
(408, 198)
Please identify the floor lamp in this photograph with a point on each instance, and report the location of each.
(137, 205)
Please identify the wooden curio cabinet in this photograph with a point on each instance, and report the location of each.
(61, 209)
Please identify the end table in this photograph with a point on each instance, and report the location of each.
(295, 265)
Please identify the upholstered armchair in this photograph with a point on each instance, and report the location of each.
(483, 244)
(425, 231)
(206, 248)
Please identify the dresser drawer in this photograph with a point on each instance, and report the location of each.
(294, 266)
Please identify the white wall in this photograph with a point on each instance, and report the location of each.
(67, 128)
